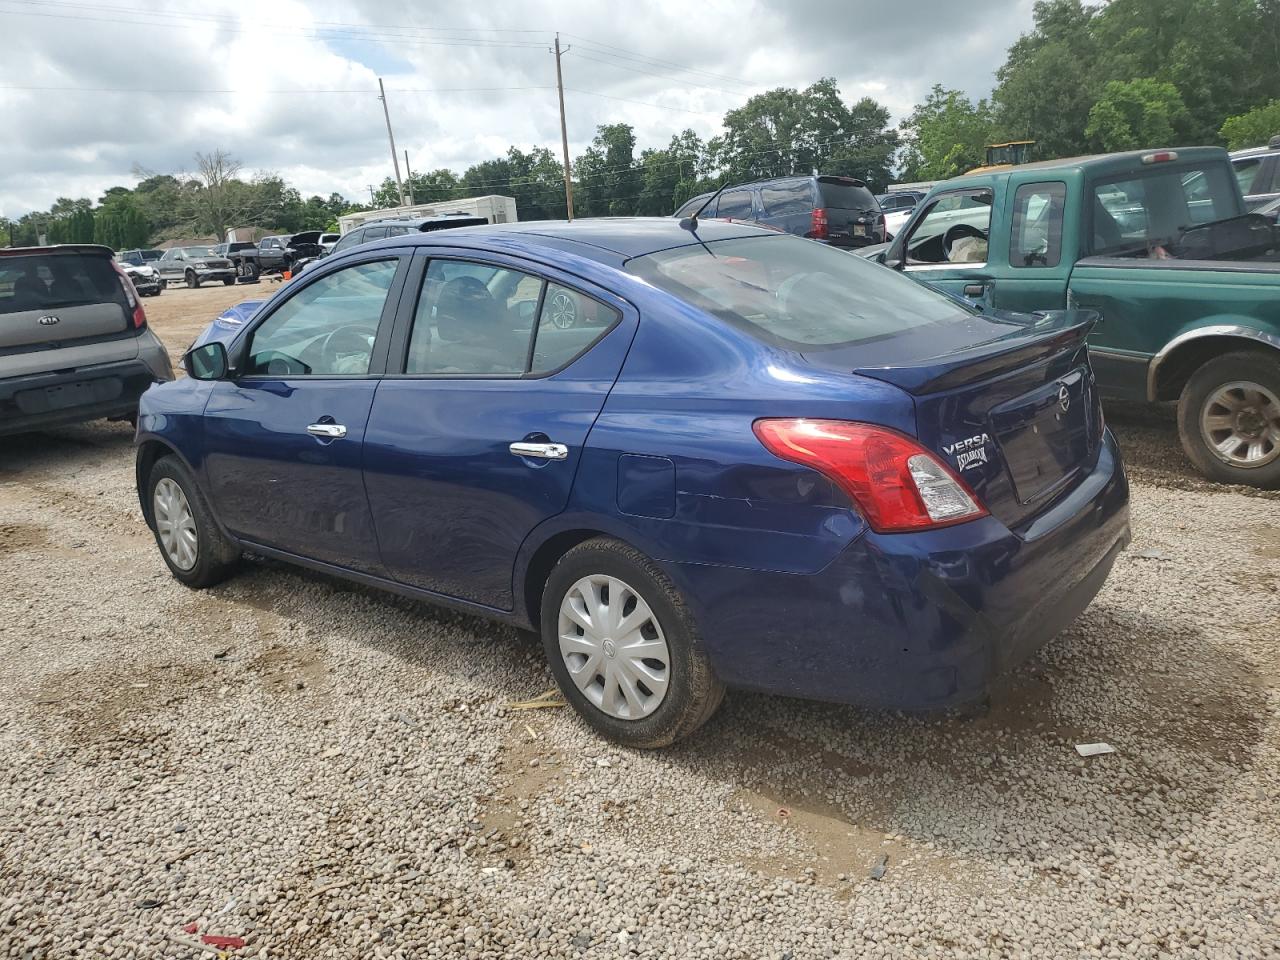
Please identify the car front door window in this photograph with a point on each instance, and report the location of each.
(326, 329)
(953, 230)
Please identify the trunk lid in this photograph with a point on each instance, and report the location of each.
(853, 213)
(50, 297)
(1006, 401)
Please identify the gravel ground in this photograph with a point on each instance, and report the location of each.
(329, 772)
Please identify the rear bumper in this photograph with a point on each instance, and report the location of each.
(915, 621)
(87, 392)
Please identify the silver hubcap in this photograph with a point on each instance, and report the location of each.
(1241, 424)
(175, 524)
(613, 647)
(564, 312)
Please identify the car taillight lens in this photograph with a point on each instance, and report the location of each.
(880, 222)
(896, 483)
(138, 315)
(818, 224)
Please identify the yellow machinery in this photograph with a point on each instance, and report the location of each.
(1001, 155)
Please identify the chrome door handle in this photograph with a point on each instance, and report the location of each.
(540, 451)
(330, 431)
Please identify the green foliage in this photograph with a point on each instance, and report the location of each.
(1135, 114)
(1252, 129)
(945, 136)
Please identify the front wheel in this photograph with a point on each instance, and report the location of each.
(1229, 419)
(193, 281)
(228, 281)
(195, 550)
(623, 646)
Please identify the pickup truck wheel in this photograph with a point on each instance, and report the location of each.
(228, 281)
(193, 281)
(1229, 419)
(624, 647)
(248, 270)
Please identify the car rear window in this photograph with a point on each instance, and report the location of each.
(784, 199)
(846, 196)
(795, 293)
(43, 282)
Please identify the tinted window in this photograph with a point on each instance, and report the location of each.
(953, 229)
(65, 280)
(374, 233)
(1036, 238)
(399, 231)
(736, 204)
(795, 293)
(569, 323)
(349, 240)
(846, 196)
(785, 199)
(1143, 215)
(690, 206)
(327, 328)
(473, 319)
(1247, 172)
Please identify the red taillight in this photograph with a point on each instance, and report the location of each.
(818, 224)
(139, 316)
(895, 482)
(880, 222)
(1162, 156)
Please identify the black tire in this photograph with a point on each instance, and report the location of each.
(1251, 366)
(249, 270)
(216, 556)
(164, 285)
(693, 692)
(193, 280)
(228, 281)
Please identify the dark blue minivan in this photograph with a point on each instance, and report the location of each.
(839, 211)
(691, 460)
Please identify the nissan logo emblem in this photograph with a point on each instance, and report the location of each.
(49, 321)
(1064, 398)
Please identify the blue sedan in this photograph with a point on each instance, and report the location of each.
(691, 460)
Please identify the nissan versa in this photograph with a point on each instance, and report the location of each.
(752, 460)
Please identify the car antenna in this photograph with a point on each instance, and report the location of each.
(690, 222)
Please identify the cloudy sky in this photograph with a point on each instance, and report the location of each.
(89, 90)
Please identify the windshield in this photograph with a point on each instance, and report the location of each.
(796, 293)
(63, 280)
(199, 251)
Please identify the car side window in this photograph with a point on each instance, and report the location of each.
(953, 229)
(1036, 236)
(787, 199)
(348, 241)
(568, 325)
(735, 204)
(327, 328)
(473, 319)
(374, 233)
(1247, 171)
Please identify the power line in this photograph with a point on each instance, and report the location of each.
(643, 103)
(624, 54)
(366, 91)
(662, 76)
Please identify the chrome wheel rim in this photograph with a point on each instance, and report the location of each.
(175, 524)
(614, 647)
(1240, 423)
(563, 311)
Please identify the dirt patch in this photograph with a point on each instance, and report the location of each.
(18, 537)
(529, 766)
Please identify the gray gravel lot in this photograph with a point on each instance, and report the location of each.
(330, 772)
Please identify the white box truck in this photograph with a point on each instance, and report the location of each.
(495, 209)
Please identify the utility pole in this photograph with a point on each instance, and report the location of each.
(372, 200)
(408, 178)
(564, 133)
(395, 160)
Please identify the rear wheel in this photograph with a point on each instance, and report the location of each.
(248, 270)
(1229, 419)
(193, 281)
(228, 281)
(623, 646)
(195, 550)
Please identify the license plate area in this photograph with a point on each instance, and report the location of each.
(1044, 435)
(64, 396)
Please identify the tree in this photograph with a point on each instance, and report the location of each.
(1136, 114)
(1252, 129)
(609, 179)
(669, 177)
(945, 136)
(220, 200)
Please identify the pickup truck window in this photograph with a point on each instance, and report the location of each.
(1036, 238)
(953, 229)
(1144, 215)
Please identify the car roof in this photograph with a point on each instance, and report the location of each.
(1094, 163)
(623, 237)
(1253, 152)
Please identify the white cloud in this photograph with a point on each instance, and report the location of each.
(78, 142)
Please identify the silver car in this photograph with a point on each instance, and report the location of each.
(74, 341)
(194, 266)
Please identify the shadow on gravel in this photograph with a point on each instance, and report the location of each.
(32, 451)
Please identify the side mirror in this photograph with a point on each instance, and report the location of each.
(207, 361)
(892, 264)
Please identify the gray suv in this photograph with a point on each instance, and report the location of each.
(74, 341)
(1258, 172)
(195, 265)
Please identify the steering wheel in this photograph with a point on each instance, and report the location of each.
(344, 341)
(958, 230)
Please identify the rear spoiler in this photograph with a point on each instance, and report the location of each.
(1050, 333)
(95, 248)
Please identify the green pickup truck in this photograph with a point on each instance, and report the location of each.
(1187, 285)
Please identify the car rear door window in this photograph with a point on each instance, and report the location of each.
(328, 328)
(473, 319)
(1036, 237)
(569, 323)
(374, 233)
(735, 204)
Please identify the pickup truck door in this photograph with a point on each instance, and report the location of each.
(170, 267)
(949, 244)
(1033, 270)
